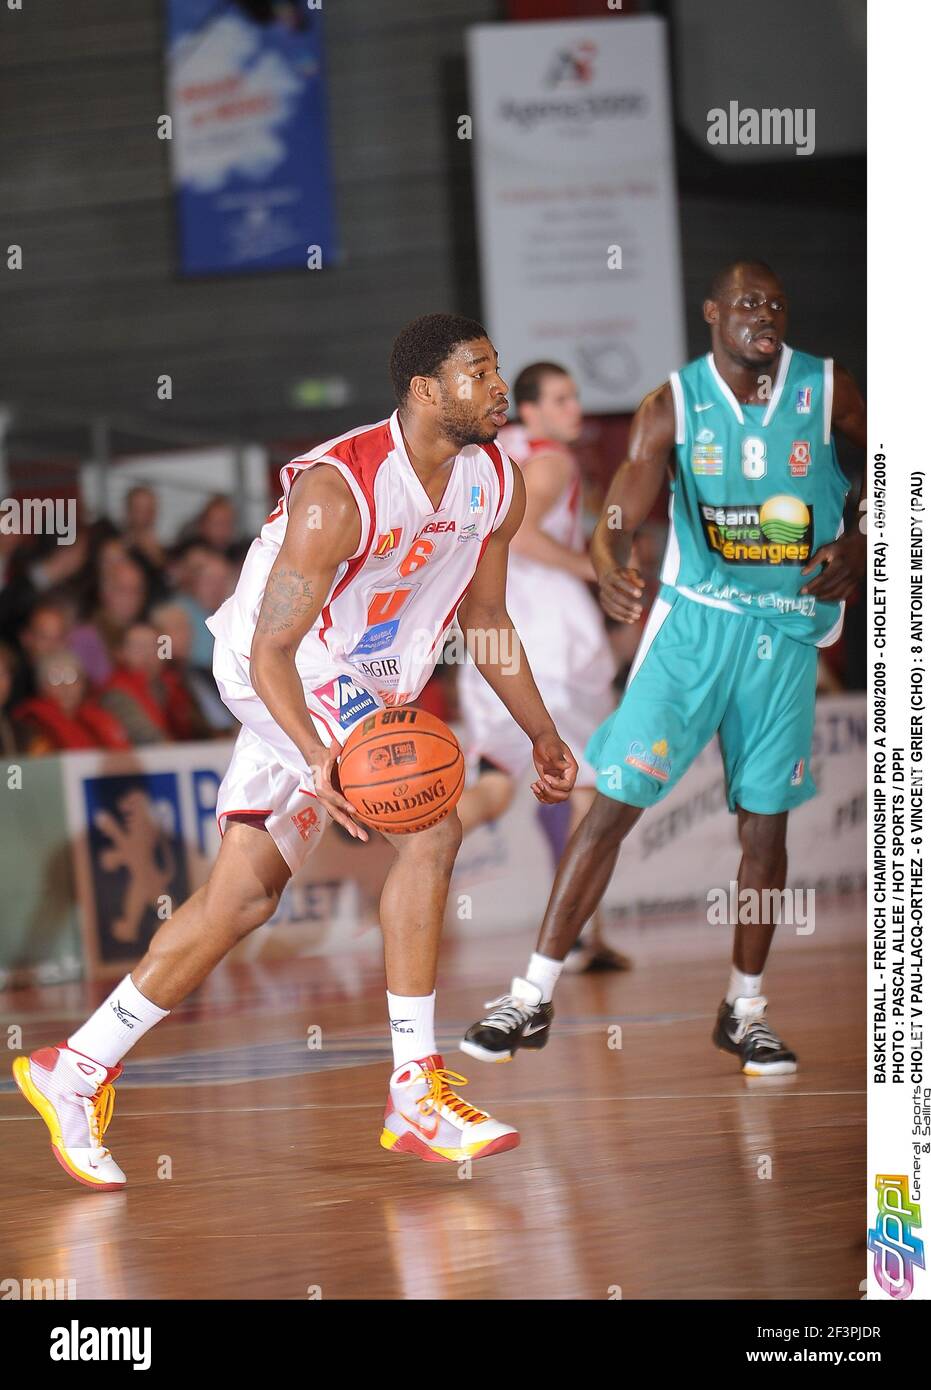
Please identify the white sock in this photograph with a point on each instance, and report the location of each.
(544, 973)
(411, 1019)
(743, 986)
(117, 1026)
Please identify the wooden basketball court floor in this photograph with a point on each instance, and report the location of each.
(652, 1170)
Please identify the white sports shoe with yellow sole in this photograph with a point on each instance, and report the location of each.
(424, 1117)
(74, 1096)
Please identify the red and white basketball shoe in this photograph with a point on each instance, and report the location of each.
(74, 1096)
(426, 1118)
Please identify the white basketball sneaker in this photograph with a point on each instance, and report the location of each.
(74, 1096)
(426, 1118)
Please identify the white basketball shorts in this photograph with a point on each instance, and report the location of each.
(267, 775)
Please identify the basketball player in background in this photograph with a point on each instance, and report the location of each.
(560, 626)
(754, 580)
(381, 536)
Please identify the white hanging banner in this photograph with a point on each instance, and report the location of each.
(575, 182)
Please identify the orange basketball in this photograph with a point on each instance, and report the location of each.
(402, 769)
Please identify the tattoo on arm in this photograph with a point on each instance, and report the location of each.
(288, 596)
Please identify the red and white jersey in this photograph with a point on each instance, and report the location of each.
(392, 602)
(559, 623)
(563, 521)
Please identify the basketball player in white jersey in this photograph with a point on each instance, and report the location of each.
(560, 624)
(381, 537)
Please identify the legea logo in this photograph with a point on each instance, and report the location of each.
(897, 1251)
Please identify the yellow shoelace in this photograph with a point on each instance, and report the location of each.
(102, 1112)
(441, 1093)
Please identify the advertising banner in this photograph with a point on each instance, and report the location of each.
(576, 201)
(40, 941)
(687, 846)
(249, 153)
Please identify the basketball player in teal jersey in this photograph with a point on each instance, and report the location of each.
(754, 580)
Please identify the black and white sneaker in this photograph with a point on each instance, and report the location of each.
(518, 1019)
(741, 1028)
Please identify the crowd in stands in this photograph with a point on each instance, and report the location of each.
(103, 643)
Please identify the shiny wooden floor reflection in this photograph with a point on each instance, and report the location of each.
(651, 1171)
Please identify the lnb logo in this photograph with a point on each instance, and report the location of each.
(897, 1252)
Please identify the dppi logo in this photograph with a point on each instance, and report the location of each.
(896, 1251)
(572, 65)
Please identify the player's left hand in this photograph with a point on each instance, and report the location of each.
(557, 768)
(844, 563)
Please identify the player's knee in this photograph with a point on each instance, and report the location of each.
(607, 821)
(248, 911)
(438, 845)
(763, 840)
(258, 910)
(448, 839)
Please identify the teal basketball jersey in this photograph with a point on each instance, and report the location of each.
(757, 489)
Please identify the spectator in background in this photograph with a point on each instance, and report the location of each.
(10, 542)
(108, 555)
(172, 621)
(35, 572)
(61, 716)
(215, 526)
(182, 562)
(80, 590)
(122, 598)
(142, 543)
(9, 743)
(205, 579)
(145, 694)
(219, 526)
(45, 630)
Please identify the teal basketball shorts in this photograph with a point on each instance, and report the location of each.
(701, 671)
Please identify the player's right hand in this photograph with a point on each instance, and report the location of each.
(619, 592)
(557, 767)
(322, 767)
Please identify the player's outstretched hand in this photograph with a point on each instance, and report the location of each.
(323, 768)
(844, 563)
(557, 768)
(620, 591)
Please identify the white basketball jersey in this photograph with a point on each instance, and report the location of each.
(392, 602)
(559, 623)
(563, 521)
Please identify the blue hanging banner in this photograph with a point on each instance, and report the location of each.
(249, 155)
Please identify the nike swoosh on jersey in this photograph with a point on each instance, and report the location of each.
(709, 406)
